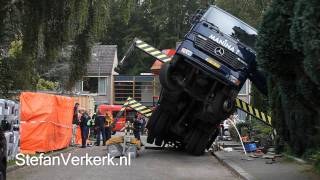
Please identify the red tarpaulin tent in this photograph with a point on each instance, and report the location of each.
(46, 122)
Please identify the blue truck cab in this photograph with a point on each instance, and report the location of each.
(202, 80)
(221, 45)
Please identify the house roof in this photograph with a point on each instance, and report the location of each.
(103, 56)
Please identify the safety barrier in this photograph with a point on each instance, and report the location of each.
(137, 106)
(253, 111)
(152, 51)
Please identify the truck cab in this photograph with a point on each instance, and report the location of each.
(203, 79)
(221, 45)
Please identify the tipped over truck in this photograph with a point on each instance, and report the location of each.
(203, 79)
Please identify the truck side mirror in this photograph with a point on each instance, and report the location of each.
(196, 17)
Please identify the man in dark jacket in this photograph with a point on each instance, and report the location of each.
(99, 123)
(75, 123)
(137, 125)
(84, 128)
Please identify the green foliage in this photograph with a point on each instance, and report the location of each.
(3, 13)
(288, 51)
(262, 131)
(44, 85)
(313, 155)
(249, 11)
(160, 23)
(81, 55)
(6, 76)
(306, 36)
(15, 49)
(45, 28)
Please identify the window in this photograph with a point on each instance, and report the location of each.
(78, 87)
(102, 86)
(242, 115)
(93, 85)
(231, 26)
(90, 84)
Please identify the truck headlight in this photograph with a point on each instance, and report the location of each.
(234, 80)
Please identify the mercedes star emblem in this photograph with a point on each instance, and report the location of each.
(219, 51)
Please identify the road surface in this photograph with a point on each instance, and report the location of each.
(152, 164)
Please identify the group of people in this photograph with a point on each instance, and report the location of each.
(99, 124)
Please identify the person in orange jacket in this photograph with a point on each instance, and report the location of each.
(107, 125)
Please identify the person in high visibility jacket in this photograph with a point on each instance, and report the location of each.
(107, 125)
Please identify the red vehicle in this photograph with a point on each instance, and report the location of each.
(128, 114)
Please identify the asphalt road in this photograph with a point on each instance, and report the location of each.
(151, 164)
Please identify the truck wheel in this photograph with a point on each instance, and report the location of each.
(221, 107)
(165, 77)
(158, 126)
(161, 124)
(170, 97)
(212, 138)
(159, 141)
(197, 143)
(151, 125)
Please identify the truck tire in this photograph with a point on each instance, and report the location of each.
(161, 124)
(159, 141)
(212, 138)
(170, 97)
(157, 126)
(165, 77)
(198, 142)
(218, 109)
(151, 124)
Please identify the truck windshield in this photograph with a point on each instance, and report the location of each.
(231, 26)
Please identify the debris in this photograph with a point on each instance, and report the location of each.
(115, 140)
(228, 149)
(250, 147)
(132, 151)
(271, 150)
(253, 156)
(273, 160)
(268, 156)
(115, 150)
(270, 162)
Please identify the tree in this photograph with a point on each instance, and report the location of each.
(292, 88)
(45, 28)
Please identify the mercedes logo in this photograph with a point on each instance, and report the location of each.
(219, 51)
